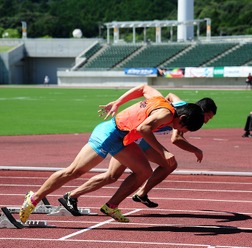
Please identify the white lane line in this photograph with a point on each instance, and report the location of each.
(163, 198)
(94, 226)
(124, 242)
(165, 181)
(165, 189)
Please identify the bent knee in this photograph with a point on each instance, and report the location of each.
(171, 166)
(110, 179)
(145, 174)
(72, 173)
(174, 165)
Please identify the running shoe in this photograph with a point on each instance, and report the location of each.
(145, 200)
(115, 213)
(26, 208)
(70, 204)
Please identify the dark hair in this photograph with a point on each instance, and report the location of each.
(207, 105)
(193, 118)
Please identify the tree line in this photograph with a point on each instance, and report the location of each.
(58, 18)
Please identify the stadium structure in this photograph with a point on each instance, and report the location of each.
(192, 60)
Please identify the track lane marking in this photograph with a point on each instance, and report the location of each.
(165, 189)
(94, 226)
(162, 198)
(127, 242)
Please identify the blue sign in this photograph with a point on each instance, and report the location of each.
(140, 71)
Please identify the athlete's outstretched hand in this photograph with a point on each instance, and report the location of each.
(109, 109)
(170, 159)
(199, 155)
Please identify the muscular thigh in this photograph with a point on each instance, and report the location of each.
(134, 158)
(155, 157)
(115, 169)
(86, 159)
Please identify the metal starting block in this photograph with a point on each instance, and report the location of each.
(7, 220)
(44, 207)
(61, 211)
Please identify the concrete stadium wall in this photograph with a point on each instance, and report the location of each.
(4, 68)
(98, 79)
(32, 59)
(116, 79)
(56, 48)
(198, 82)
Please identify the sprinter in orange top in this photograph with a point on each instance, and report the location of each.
(107, 137)
(130, 118)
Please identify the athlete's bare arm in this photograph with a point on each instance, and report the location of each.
(142, 90)
(172, 98)
(179, 140)
(156, 119)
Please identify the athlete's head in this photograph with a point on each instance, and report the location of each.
(209, 108)
(189, 116)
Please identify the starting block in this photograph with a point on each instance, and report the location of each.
(44, 207)
(7, 219)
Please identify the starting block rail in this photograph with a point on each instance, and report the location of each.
(7, 219)
(44, 207)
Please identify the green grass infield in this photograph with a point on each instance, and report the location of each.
(50, 110)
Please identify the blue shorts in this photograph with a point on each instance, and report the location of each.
(145, 146)
(107, 138)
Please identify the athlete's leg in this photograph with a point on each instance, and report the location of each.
(133, 158)
(84, 161)
(115, 170)
(159, 174)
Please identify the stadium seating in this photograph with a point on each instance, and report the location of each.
(236, 57)
(111, 56)
(118, 57)
(153, 55)
(92, 50)
(199, 54)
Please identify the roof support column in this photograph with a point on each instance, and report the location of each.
(108, 39)
(134, 35)
(158, 34)
(144, 31)
(116, 34)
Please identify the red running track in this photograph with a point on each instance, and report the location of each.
(224, 150)
(194, 210)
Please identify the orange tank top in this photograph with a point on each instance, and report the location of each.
(130, 118)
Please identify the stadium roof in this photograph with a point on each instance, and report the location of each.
(155, 23)
(158, 24)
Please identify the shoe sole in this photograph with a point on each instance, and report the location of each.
(64, 204)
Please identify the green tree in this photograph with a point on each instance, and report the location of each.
(10, 33)
(58, 18)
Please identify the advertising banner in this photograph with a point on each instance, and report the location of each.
(218, 72)
(192, 72)
(237, 71)
(140, 71)
(171, 73)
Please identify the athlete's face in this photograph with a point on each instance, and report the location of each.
(177, 125)
(208, 116)
(182, 129)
